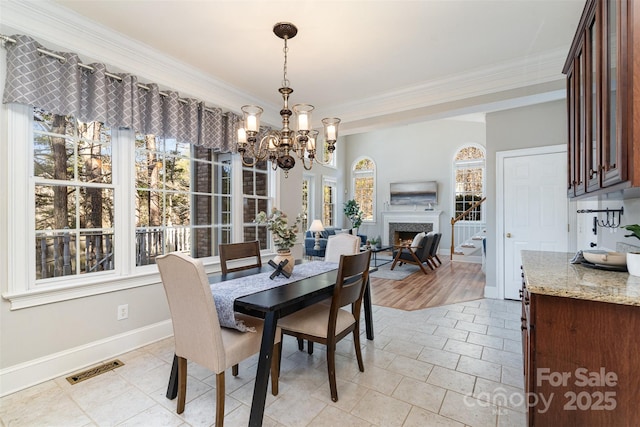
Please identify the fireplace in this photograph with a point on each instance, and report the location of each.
(399, 225)
(404, 232)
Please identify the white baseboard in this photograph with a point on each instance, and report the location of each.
(27, 374)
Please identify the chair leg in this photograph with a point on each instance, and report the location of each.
(356, 344)
(220, 399)
(275, 368)
(438, 258)
(234, 370)
(300, 344)
(331, 369)
(182, 384)
(396, 259)
(310, 347)
(280, 356)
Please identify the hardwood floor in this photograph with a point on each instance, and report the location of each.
(450, 283)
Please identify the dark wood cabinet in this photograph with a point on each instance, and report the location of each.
(603, 86)
(581, 361)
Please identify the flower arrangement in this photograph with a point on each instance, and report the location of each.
(353, 212)
(284, 235)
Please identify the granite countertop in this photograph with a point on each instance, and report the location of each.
(551, 273)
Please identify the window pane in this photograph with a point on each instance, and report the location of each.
(96, 207)
(55, 207)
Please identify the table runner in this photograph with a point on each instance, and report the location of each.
(225, 293)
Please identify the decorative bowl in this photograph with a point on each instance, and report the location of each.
(605, 257)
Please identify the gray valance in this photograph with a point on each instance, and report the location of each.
(61, 86)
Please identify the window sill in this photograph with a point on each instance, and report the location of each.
(51, 295)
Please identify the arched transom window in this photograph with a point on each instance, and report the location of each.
(363, 173)
(469, 166)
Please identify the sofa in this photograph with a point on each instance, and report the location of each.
(310, 240)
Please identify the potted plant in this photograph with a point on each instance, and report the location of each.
(633, 258)
(354, 213)
(284, 235)
(375, 242)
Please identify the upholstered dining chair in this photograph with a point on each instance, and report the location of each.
(341, 244)
(248, 252)
(328, 324)
(197, 332)
(417, 253)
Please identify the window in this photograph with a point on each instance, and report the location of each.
(256, 198)
(469, 167)
(74, 196)
(363, 173)
(306, 197)
(329, 198)
(98, 205)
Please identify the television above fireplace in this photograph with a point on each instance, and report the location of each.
(414, 193)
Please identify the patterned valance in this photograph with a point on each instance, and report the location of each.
(61, 86)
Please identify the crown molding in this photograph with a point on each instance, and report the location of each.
(59, 28)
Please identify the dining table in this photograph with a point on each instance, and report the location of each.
(270, 305)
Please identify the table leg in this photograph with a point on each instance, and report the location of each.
(368, 315)
(264, 364)
(172, 388)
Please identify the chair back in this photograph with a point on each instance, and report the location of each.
(341, 244)
(196, 327)
(353, 276)
(424, 251)
(249, 252)
(434, 247)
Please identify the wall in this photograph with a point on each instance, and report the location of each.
(525, 127)
(422, 151)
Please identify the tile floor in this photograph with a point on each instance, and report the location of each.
(456, 365)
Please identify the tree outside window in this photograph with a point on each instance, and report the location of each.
(469, 166)
(363, 173)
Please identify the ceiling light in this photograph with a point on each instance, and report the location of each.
(277, 145)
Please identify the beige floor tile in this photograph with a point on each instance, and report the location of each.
(439, 357)
(479, 368)
(405, 348)
(410, 368)
(468, 410)
(446, 332)
(500, 394)
(120, 408)
(502, 357)
(510, 418)
(295, 409)
(471, 327)
(420, 418)
(378, 379)
(460, 316)
(486, 340)
(452, 380)
(331, 416)
(349, 394)
(430, 340)
(156, 416)
(381, 410)
(418, 393)
(513, 377)
(463, 348)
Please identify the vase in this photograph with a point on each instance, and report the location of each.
(633, 263)
(281, 256)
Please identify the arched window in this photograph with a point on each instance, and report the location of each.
(364, 186)
(469, 169)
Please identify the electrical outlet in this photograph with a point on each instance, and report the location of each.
(123, 311)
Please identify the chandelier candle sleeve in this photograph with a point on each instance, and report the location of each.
(277, 145)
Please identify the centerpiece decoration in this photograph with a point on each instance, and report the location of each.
(354, 213)
(284, 235)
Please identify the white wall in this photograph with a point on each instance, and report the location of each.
(422, 151)
(525, 127)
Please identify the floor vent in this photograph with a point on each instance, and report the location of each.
(94, 372)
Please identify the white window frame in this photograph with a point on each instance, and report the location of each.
(19, 217)
(330, 182)
(354, 174)
(484, 178)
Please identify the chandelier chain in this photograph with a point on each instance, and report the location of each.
(285, 80)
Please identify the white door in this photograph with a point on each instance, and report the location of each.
(535, 211)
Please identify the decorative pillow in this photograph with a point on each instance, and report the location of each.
(418, 239)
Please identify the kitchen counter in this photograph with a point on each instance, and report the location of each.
(551, 273)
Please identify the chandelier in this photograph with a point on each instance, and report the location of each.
(278, 145)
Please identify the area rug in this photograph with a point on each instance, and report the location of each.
(398, 273)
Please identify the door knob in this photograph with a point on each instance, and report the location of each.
(508, 235)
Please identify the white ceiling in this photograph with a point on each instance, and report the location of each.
(356, 59)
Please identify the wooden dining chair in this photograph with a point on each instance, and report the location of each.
(197, 332)
(244, 255)
(328, 324)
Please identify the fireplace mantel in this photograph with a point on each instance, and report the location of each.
(432, 217)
